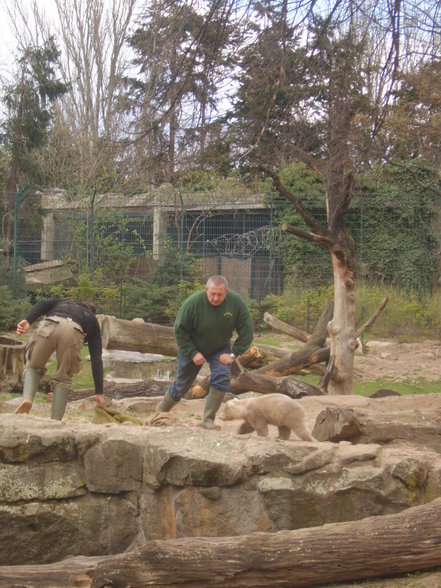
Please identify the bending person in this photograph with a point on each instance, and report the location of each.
(65, 327)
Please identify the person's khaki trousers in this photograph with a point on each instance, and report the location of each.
(63, 336)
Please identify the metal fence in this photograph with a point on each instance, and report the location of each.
(128, 237)
(238, 243)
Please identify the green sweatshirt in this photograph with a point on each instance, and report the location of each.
(204, 328)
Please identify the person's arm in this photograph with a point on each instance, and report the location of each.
(95, 346)
(183, 327)
(39, 309)
(245, 331)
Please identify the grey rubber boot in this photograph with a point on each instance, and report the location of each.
(32, 378)
(59, 401)
(166, 404)
(212, 403)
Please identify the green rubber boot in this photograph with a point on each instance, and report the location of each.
(32, 378)
(59, 401)
(212, 403)
(166, 404)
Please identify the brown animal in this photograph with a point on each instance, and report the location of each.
(271, 409)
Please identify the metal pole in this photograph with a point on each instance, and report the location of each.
(270, 276)
(19, 197)
(181, 261)
(361, 237)
(92, 232)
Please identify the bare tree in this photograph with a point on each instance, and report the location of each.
(91, 36)
(352, 55)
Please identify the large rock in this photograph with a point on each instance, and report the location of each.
(69, 489)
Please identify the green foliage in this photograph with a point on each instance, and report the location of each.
(400, 245)
(95, 289)
(157, 303)
(29, 102)
(299, 307)
(304, 264)
(405, 317)
(159, 298)
(172, 267)
(11, 311)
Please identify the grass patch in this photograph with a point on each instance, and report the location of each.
(368, 387)
(84, 377)
(277, 341)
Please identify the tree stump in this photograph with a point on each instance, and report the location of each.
(12, 359)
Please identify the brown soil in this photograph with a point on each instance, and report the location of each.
(400, 361)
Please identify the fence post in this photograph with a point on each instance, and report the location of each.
(19, 197)
(181, 238)
(270, 276)
(361, 236)
(92, 231)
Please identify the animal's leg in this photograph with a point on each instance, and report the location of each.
(245, 428)
(261, 427)
(284, 433)
(304, 433)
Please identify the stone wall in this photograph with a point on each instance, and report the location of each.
(70, 489)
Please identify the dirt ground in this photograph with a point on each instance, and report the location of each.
(400, 361)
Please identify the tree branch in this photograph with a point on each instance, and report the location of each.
(283, 191)
(319, 240)
(373, 318)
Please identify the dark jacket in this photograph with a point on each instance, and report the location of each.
(81, 314)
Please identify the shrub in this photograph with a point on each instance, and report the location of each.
(11, 311)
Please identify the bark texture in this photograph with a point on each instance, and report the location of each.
(316, 556)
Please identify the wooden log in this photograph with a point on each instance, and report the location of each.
(318, 556)
(137, 335)
(312, 352)
(283, 327)
(294, 388)
(147, 388)
(246, 381)
(12, 360)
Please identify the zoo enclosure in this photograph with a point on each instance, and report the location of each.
(238, 236)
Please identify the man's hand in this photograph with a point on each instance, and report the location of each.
(199, 359)
(100, 400)
(22, 327)
(226, 359)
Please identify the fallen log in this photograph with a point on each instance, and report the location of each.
(319, 556)
(136, 335)
(246, 381)
(147, 388)
(295, 388)
(312, 352)
(283, 327)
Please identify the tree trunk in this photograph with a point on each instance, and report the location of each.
(342, 328)
(12, 359)
(318, 556)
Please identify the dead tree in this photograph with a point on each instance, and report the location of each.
(318, 556)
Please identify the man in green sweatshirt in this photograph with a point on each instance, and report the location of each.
(203, 329)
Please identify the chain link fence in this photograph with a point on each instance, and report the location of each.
(53, 239)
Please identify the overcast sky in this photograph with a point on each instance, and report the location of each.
(8, 43)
